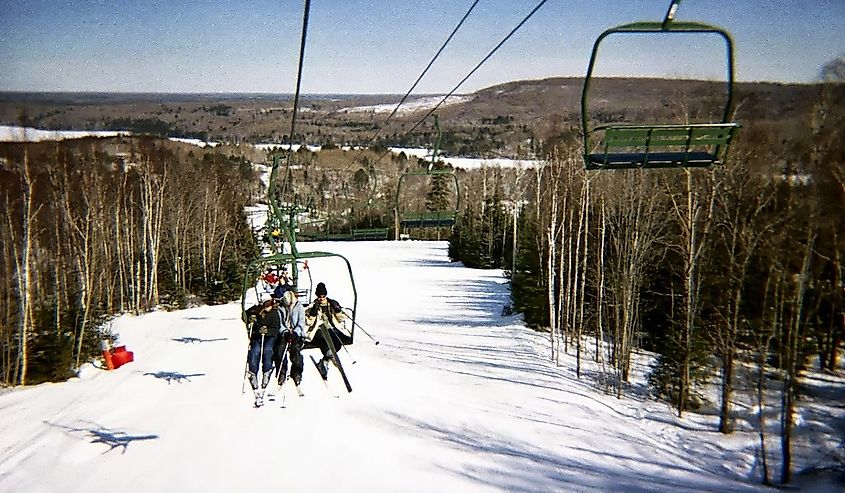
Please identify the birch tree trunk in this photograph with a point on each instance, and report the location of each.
(791, 366)
(23, 266)
(694, 213)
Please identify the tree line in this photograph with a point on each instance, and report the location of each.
(732, 270)
(94, 227)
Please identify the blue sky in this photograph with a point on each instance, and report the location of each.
(381, 46)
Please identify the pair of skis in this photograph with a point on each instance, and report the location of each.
(324, 330)
(282, 376)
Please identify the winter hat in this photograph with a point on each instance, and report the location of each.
(289, 297)
(321, 290)
(267, 302)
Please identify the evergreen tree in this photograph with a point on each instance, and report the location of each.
(437, 198)
(528, 284)
(464, 243)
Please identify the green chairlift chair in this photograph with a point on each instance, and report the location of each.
(671, 145)
(407, 219)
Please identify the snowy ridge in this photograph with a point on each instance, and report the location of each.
(454, 398)
(423, 103)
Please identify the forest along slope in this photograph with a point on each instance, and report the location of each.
(454, 398)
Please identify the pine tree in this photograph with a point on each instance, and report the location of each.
(528, 287)
(437, 198)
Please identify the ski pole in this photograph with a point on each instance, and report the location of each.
(246, 363)
(362, 329)
(282, 372)
(348, 353)
(261, 357)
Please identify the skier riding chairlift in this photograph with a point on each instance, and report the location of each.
(327, 312)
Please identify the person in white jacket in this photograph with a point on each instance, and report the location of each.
(293, 333)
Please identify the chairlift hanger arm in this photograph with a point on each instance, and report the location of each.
(436, 149)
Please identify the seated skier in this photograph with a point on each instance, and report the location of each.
(267, 321)
(293, 335)
(327, 312)
(283, 285)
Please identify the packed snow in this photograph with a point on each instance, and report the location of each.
(455, 397)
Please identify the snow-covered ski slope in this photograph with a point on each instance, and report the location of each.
(455, 398)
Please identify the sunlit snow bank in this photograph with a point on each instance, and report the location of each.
(409, 106)
(196, 142)
(13, 133)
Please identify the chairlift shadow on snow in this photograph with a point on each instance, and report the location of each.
(100, 434)
(173, 376)
(197, 340)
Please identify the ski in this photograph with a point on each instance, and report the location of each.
(324, 374)
(335, 359)
(331, 391)
(299, 392)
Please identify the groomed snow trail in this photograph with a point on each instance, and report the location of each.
(454, 398)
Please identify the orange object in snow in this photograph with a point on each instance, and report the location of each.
(121, 356)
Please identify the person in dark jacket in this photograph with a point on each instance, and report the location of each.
(328, 312)
(263, 332)
(284, 285)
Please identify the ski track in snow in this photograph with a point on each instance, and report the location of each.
(454, 398)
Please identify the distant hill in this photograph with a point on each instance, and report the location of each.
(503, 120)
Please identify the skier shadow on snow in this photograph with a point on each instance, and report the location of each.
(520, 466)
(197, 340)
(173, 376)
(100, 434)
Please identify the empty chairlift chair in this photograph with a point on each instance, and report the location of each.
(669, 145)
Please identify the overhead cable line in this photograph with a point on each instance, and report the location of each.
(405, 97)
(414, 86)
(296, 94)
(482, 62)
